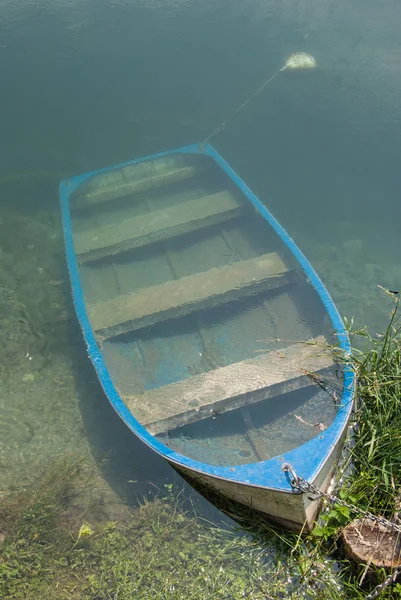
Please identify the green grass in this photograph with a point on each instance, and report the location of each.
(376, 456)
(375, 479)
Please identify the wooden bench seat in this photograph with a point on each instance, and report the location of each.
(134, 179)
(135, 232)
(186, 295)
(231, 387)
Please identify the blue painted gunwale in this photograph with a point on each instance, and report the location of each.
(308, 459)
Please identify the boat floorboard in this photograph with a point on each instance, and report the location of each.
(186, 295)
(139, 231)
(232, 387)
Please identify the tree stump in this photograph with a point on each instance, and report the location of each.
(370, 542)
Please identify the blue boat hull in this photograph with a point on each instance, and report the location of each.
(208, 328)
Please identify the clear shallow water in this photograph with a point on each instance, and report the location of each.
(88, 84)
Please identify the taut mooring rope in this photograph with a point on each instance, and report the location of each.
(240, 107)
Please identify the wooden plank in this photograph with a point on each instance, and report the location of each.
(156, 226)
(231, 387)
(133, 179)
(187, 294)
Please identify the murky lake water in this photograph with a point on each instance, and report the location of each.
(87, 84)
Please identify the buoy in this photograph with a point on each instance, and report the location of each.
(299, 60)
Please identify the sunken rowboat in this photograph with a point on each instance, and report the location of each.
(209, 330)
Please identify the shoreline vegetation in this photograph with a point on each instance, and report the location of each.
(53, 546)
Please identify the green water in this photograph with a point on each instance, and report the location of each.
(87, 84)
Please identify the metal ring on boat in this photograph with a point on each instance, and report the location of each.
(287, 468)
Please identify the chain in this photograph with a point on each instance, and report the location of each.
(302, 485)
(382, 586)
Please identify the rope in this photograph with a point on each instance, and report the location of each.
(237, 110)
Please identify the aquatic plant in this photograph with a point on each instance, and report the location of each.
(160, 550)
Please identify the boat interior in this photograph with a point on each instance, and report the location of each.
(210, 331)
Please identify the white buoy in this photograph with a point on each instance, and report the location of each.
(299, 60)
